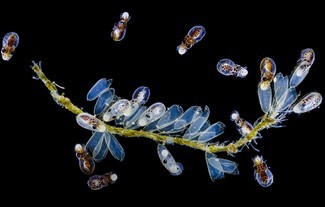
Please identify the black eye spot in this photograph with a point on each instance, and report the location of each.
(164, 161)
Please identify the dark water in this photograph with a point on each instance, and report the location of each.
(75, 47)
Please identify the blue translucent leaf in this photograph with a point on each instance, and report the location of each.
(104, 100)
(217, 166)
(98, 88)
(142, 94)
(154, 112)
(196, 135)
(197, 124)
(100, 143)
(214, 167)
(168, 161)
(167, 129)
(265, 96)
(170, 130)
(114, 146)
(280, 85)
(170, 116)
(205, 126)
(93, 141)
(97, 144)
(134, 105)
(189, 116)
(101, 149)
(288, 98)
(116, 110)
(213, 131)
(228, 166)
(151, 127)
(131, 122)
(299, 74)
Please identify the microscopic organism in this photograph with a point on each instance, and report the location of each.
(262, 173)
(194, 36)
(168, 161)
(228, 68)
(119, 29)
(9, 44)
(97, 182)
(86, 162)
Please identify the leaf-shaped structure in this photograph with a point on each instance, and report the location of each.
(99, 87)
(170, 116)
(168, 161)
(154, 112)
(131, 122)
(116, 110)
(265, 96)
(100, 143)
(104, 101)
(189, 116)
(115, 147)
(218, 166)
(142, 94)
(287, 99)
(307, 103)
(213, 131)
(280, 86)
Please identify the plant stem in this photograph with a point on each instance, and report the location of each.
(232, 148)
(59, 99)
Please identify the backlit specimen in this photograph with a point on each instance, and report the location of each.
(262, 173)
(9, 44)
(193, 36)
(168, 161)
(97, 182)
(228, 68)
(119, 29)
(86, 163)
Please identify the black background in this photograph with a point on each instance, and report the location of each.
(75, 47)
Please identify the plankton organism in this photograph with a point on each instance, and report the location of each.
(119, 29)
(228, 68)
(193, 36)
(262, 173)
(86, 163)
(9, 44)
(97, 182)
